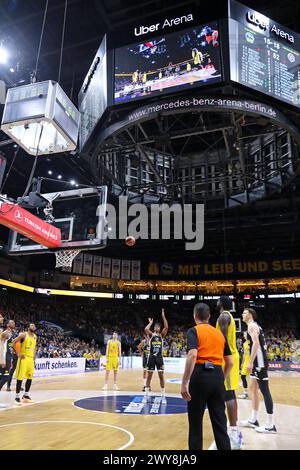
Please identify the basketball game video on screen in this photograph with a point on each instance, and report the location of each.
(168, 63)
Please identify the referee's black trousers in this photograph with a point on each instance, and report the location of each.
(207, 389)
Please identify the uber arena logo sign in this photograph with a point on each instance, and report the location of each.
(257, 20)
(133, 405)
(262, 22)
(141, 30)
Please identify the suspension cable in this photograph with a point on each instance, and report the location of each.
(34, 165)
(41, 40)
(62, 40)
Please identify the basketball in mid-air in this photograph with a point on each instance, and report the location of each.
(130, 240)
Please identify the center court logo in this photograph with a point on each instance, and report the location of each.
(133, 405)
(157, 222)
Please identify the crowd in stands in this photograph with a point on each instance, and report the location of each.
(53, 341)
(75, 328)
(280, 344)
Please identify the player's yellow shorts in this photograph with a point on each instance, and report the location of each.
(25, 369)
(112, 363)
(244, 368)
(232, 381)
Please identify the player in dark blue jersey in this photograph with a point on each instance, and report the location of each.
(155, 358)
(144, 350)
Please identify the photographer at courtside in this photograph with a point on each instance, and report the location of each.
(203, 379)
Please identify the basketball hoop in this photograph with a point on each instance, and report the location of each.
(65, 258)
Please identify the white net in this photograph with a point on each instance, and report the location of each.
(65, 258)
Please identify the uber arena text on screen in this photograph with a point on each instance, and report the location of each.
(139, 31)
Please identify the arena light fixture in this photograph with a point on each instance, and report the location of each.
(3, 55)
(41, 118)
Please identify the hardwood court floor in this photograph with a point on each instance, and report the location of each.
(53, 422)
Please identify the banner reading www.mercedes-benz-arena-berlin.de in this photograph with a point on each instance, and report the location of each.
(200, 103)
(58, 366)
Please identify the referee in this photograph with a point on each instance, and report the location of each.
(203, 379)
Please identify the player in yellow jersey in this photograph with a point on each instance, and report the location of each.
(113, 357)
(226, 324)
(134, 78)
(25, 346)
(244, 371)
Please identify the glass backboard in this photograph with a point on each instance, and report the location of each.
(80, 215)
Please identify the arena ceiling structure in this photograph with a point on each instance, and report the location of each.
(244, 168)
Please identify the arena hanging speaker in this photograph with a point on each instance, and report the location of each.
(41, 118)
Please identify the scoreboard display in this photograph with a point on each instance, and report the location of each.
(246, 48)
(264, 55)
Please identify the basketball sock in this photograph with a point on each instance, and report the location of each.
(17, 395)
(145, 382)
(264, 388)
(18, 386)
(244, 380)
(162, 390)
(270, 420)
(27, 387)
(253, 416)
(147, 391)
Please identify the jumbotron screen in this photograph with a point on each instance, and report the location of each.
(264, 55)
(168, 63)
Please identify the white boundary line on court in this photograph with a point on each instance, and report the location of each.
(131, 436)
(26, 405)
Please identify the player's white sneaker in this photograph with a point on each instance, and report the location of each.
(236, 441)
(116, 388)
(249, 424)
(2, 405)
(266, 429)
(145, 398)
(105, 388)
(243, 395)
